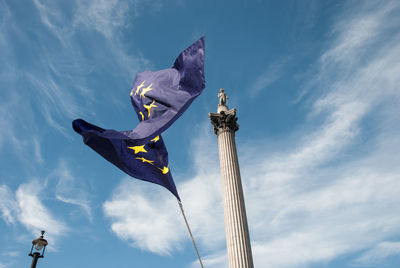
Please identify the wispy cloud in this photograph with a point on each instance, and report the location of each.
(25, 206)
(103, 16)
(7, 204)
(37, 150)
(107, 17)
(357, 32)
(53, 82)
(69, 190)
(67, 71)
(333, 191)
(271, 74)
(8, 120)
(11, 253)
(34, 215)
(54, 101)
(379, 252)
(53, 18)
(17, 123)
(18, 133)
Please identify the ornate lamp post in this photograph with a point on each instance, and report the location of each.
(38, 248)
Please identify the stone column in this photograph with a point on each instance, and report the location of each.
(236, 228)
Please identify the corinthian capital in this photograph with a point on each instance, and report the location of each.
(224, 121)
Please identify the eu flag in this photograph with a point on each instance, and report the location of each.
(148, 162)
(159, 98)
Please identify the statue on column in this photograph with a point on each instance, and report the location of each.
(222, 97)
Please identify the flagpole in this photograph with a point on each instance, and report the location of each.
(191, 236)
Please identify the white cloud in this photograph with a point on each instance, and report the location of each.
(379, 252)
(26, 206)
(334, 191)
(107, 17)
(149, 218)
(63, 70)
(104, 16)
(52, 18)
(356, 32)
(274, 71)
(55, 79)
(12, 253)
(218, 259)
(7, 123)
(7, 204)
(138, 220)
(34, 215)
(18, 108)
(37, 150)
(15, 122)
(55, 102)
(70, 191)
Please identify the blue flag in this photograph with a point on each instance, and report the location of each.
(148, 162)
(159, 98)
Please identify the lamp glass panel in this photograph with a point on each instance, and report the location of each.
(39, 246)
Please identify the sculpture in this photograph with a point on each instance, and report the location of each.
(222, 97)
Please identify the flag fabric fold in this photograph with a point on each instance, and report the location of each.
(148, 162)
(159, 99)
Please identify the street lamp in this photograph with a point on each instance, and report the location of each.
(38, 248)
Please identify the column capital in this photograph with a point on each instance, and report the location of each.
(224, 121)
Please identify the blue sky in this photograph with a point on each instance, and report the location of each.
(316, 85)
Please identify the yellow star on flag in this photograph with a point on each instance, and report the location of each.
(164, 170)
(145, 90)
(138, 88)
(148, 107)
(155, 139)
(142, 115)
(138, 149)
(145, 160)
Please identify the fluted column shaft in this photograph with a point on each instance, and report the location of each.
(236, 227)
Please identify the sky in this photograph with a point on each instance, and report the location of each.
(316, 88)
